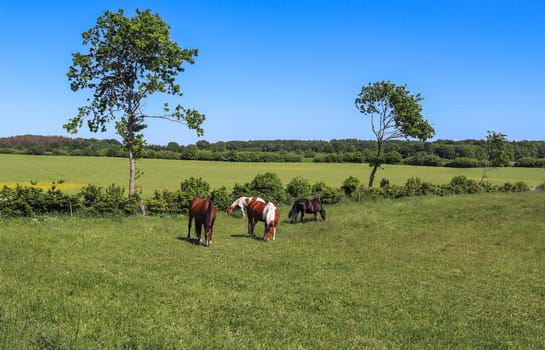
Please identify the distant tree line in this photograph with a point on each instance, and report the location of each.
(462, 154)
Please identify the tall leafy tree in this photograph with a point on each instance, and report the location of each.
(497, 154)
(496, 149)
(394, 114)
(129, 59)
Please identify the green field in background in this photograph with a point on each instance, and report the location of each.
(75, 172)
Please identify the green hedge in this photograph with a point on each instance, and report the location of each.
(112, 200)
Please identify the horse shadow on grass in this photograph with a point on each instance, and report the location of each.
(194, 241)
(242, 235)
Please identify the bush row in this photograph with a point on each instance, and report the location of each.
(111, 200)
(457, 185)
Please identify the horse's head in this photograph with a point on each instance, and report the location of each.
(322, 213)
(229, 210)
(292, 215)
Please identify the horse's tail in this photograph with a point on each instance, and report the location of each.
(269, 214)
(209, 212)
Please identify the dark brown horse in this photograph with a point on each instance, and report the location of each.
(265, 212)
(309, 206)
(204, 212)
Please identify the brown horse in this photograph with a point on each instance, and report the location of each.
(265, 212)
(204, 212)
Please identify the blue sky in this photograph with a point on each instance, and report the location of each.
(276, 69)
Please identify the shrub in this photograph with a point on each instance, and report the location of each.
(350, 184)
(519, 186)
(529, 162)
(461, 184)
(268, 186)
(422, 158)
(28, 201)
(190, 188)
(299, 187)
(241, 190)
(221, 198)
(393, 157)
(165, 202)
(463, 163)
(326, 194)
(111, 200)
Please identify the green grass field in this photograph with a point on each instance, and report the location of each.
(456, 272)
(157, 174)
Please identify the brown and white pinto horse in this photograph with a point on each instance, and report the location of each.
(204, 212)
(265, 212)
(241, 204)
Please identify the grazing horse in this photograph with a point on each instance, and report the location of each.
(266, 212)
(309, 206)
(241, 204)
(204, 212)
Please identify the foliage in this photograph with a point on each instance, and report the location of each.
(394, 113)
(461, 184)
(107, 201)
(221, 198)
(166, 202)
(268, 186)
(299, 187)
(326, 193)
(496, 149)
(518, 186)
(350, 184)
(452, 153)
(463, 162)
(393, 157)
(422, 158)
(241, 190)
(129, 59)
(193, 187)
(28, 201)
(529, 162)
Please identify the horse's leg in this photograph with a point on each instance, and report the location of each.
(209, 236)
(302, 215)
(198, 228)
(315, 217)
(251, 225)
(189, 227)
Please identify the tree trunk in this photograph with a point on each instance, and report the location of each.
(132, 173)
(376, 165)
(372, 176)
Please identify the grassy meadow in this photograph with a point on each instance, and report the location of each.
(75, 172)
(457, 272)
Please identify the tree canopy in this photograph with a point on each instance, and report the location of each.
(129, 59)
(394, 113)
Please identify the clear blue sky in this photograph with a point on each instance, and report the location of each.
(291, 69)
